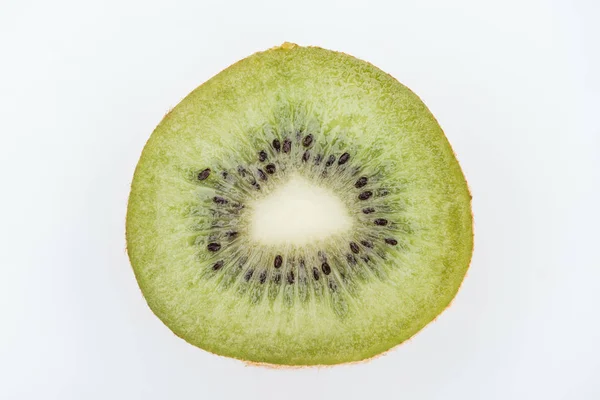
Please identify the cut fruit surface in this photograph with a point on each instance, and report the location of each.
(302, 207)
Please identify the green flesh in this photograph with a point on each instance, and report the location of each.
(347, 105)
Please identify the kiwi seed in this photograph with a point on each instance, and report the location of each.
(262, 156)
(204, 174)
(365, 195)
(270, 168)
(362, 181)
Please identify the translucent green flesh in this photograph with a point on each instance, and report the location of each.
(347, 105)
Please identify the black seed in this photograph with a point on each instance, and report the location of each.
(316, 273)
(381, 221)
(332, 286)
(330, 161)
(262, 277)
(248, 274)
(262, 155)
(367, 243)
(261, 175)
(278, 261)
(213, 247)
(362, 181)
(365, 195)
(391, 241)
(290, 277)
(277, 278)
(256, 185)
(231, 234)
(242, 171)
(368, 210)
(318, 159)
(326, 268)
(204, 174)
(344, 158)
(217, 266)
(382, 192)
(224, 174)
(366, 258)
(287, 145)
(306, 156)
(276, 145)
(307, 141)
(354, 247)
(238, 206)
(270, 168)
(220, 200)
(351, 259)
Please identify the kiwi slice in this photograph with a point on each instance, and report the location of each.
(301, 207)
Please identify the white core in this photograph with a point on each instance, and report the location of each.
(298, 213)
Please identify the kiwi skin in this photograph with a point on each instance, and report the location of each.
(144, 187)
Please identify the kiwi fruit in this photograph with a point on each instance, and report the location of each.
(302, 207)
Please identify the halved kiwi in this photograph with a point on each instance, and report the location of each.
(302, 207)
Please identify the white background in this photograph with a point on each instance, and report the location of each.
(515, 85)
